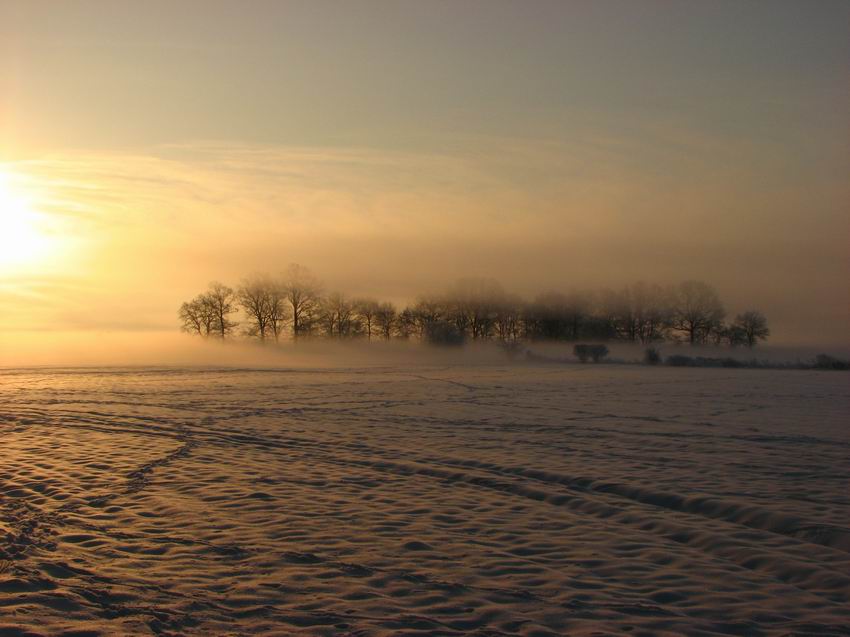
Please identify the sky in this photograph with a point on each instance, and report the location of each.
(393, 147)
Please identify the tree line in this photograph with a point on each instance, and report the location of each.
(296, 305)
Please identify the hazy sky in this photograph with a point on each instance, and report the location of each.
(392, 146)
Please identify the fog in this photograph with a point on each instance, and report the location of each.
(171, 349)
(84, 348)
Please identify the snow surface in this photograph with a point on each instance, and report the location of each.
(458, 500)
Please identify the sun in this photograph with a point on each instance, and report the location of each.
(23, 237)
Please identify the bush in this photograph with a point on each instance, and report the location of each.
(824, 361)
(598, 352)
(677, 360)
(652, 356)
(590, 352)
(582, 352)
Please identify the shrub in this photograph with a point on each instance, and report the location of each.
(598, 352)
(652, 356)
(586, 352)
(678, 360)
(824, 361)
(582, 352)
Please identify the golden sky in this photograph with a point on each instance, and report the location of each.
(147, 148)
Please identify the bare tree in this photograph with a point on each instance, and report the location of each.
(277, 308)
(337, 315)
(196, 317)
(543, 317)
(255, 299)
(407, 323)
(697, 310)
(472, 304)
(734, 335)
(558, 316)
(752, 326)
(367, 310)
(221, 302)
(621, 312)
(325, 318)
(426, 311)
(655, 311)
(303, 293)
(577, 310)
(508, 318)
(639, 312)
(347, 324)
(385, 319)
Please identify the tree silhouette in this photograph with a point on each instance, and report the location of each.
(302, 291)
(426, 310)
(337, 316)
(472, 305)
(261, 300)
(406, 324)
(472, 308)
(696, 310)
(221, 301)
(196, 316)
(366, 311)
(556, 316)
(752, 326)
(508, 318)
(385, 319)
(639, 312)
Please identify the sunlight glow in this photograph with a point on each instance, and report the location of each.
(23, 237)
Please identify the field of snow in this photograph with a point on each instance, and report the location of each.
(462, 500)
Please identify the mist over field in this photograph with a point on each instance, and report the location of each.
(180, 350)
(172, 349)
